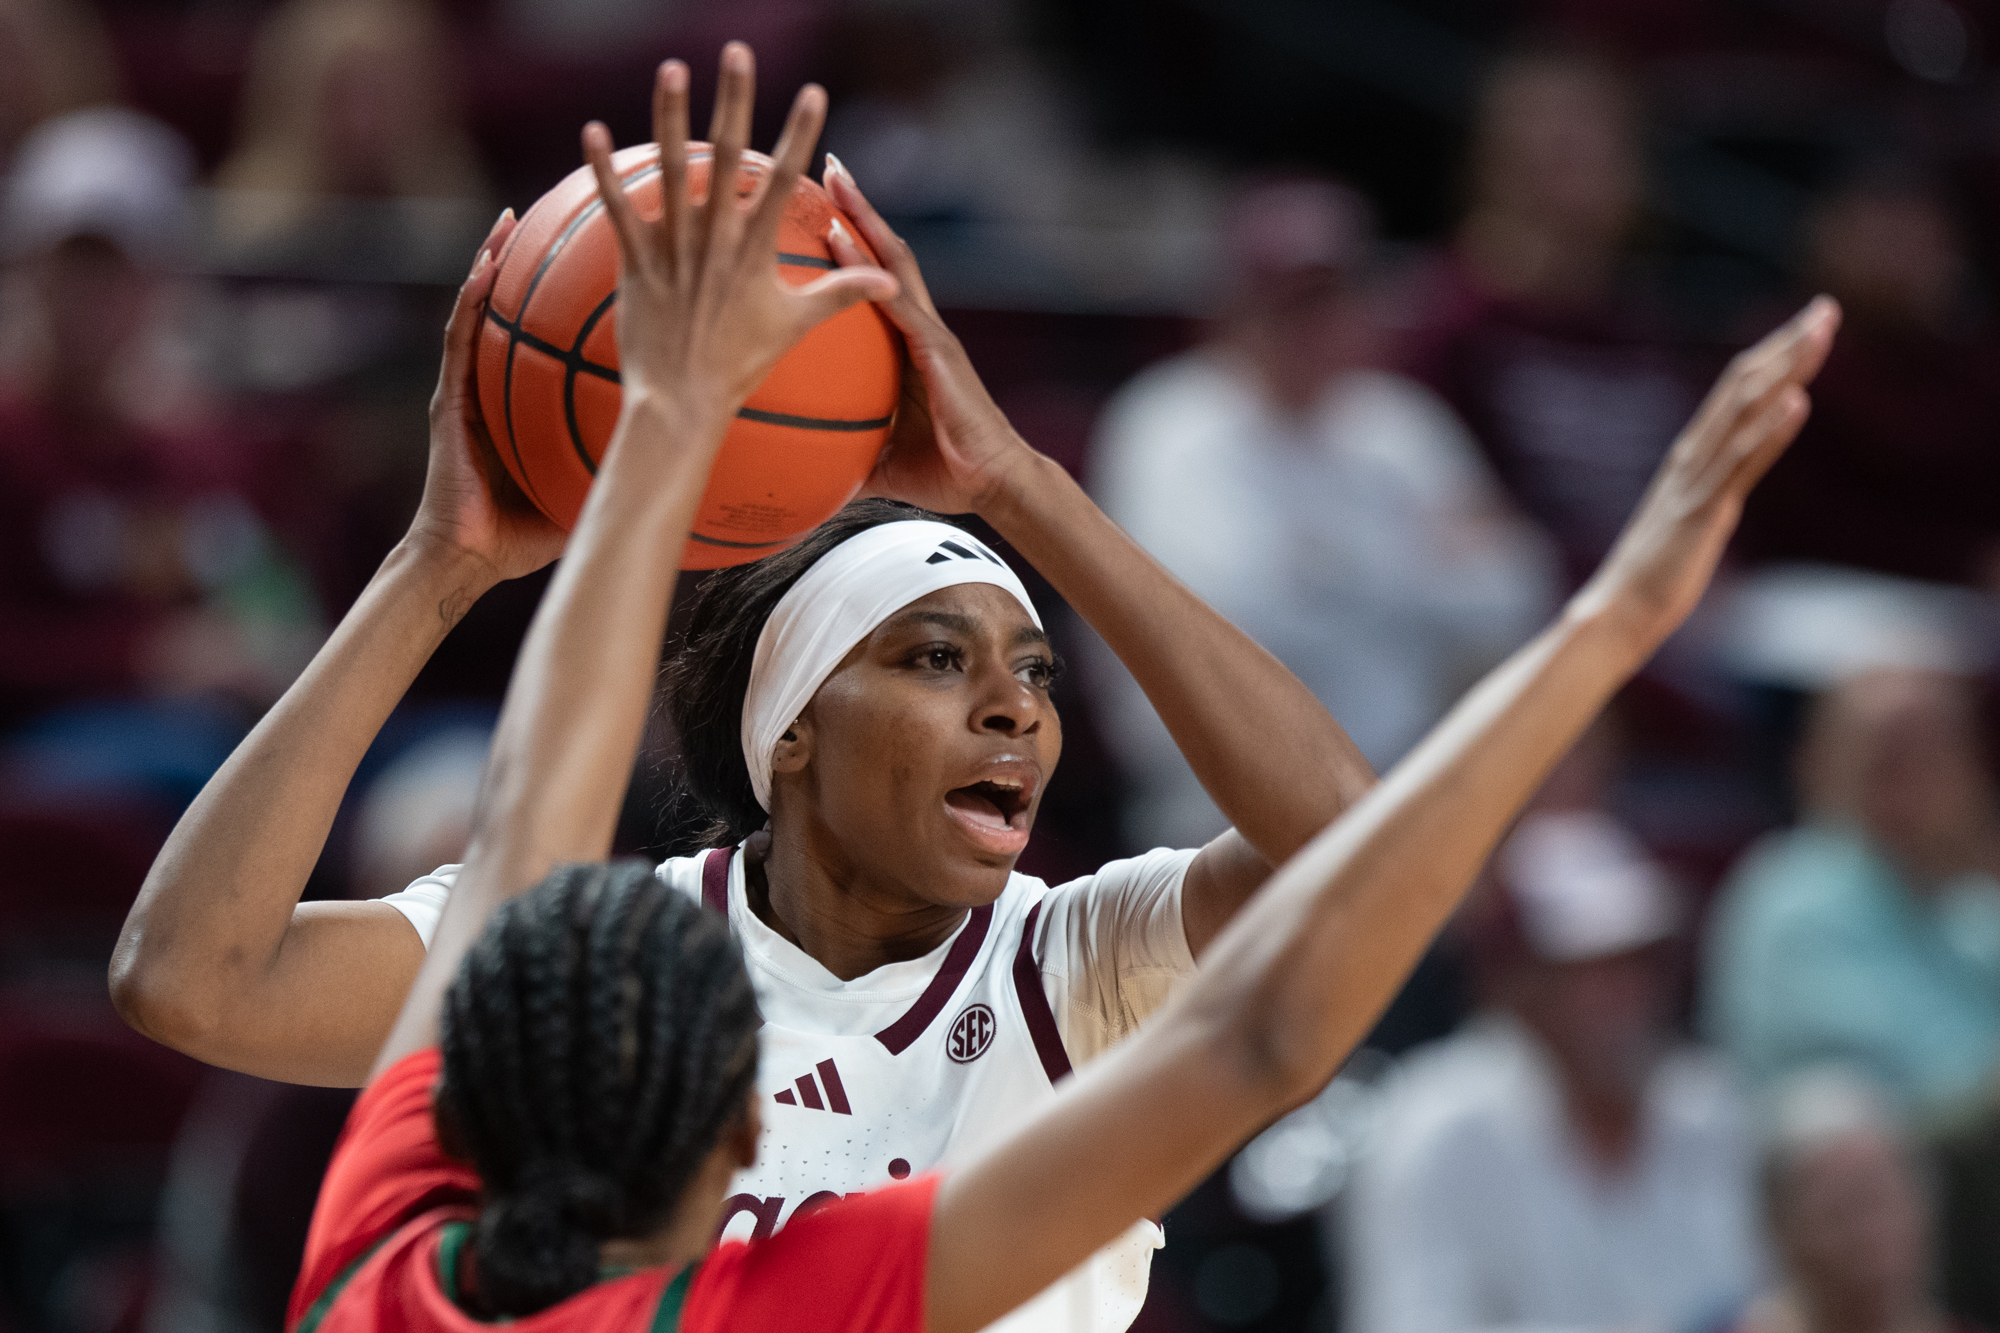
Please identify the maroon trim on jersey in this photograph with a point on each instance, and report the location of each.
(899, 1034)
(715, 879)
(1035, 1004)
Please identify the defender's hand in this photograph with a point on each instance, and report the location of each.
(702, 312)
(951, 449)
(1665, 557)
(470, 504)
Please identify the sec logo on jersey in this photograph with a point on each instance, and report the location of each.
(971, 1034)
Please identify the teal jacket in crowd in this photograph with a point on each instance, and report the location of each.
(1819, 950)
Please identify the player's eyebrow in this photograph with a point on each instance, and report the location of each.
(963, 625)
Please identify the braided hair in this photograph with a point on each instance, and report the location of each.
(599, 1039)
(707, 678)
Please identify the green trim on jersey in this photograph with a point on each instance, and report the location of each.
(453, 1238)
(667, 1319)
(315, 1312)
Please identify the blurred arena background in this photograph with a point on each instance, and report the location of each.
(1369, 317)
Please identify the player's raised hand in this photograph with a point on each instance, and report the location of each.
(1664, 559)
(470, 503)
(702, 312)
(951, 445)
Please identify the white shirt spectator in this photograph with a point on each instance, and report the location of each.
(1477, 1209)
(1366, 546)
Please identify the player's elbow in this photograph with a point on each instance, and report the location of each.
(163, 1000)
(1277, 1065)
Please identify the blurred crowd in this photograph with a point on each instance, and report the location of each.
(1371, 321)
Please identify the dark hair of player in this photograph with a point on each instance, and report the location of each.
(598, 1041)
(707, 678)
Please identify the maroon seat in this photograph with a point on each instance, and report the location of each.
(70, 870)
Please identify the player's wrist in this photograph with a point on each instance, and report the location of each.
(1616, 621)
(1020, 480)
(438, 573)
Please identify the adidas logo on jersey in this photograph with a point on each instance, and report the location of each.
(958, 550)
(808, 1094)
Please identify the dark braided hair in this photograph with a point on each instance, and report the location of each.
(599, 1040)
(708, 676)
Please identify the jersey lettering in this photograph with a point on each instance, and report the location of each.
(971, 1033)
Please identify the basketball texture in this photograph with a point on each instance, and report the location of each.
(548, 370)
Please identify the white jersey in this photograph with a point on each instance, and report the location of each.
(921, 1064)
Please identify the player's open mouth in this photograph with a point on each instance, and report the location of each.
(994, 813)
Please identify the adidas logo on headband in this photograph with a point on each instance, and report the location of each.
(950, 550)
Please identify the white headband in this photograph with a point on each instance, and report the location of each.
(838, 603)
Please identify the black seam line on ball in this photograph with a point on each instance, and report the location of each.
(517, 335)
(804, 261)
(740, 546)
(576, 364)
(572, 364)
(810, 423)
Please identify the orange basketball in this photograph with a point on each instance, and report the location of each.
(548, 370)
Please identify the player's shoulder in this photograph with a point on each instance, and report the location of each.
(1159, 870)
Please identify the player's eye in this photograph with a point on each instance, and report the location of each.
(1040, 672)
(939, 657)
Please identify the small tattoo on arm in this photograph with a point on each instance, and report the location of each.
(452, 608)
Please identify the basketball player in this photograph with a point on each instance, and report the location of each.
(918, 996)
(600, 1062)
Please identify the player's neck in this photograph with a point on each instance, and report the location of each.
(842, 917)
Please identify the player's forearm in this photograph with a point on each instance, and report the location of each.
(213, 914)
(577, 701)
(1267, 751)
(577, 704)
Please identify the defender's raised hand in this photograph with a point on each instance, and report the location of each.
(1664, 559)
(702, 312)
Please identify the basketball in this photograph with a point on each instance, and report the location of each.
(548, 370)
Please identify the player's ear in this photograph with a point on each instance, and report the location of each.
(794, 749)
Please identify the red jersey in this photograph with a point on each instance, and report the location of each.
(391, 1215)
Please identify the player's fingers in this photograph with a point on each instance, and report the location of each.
(496, 239)
(826, 297)
(729, 131)
(670, 118)
(618, 208)
(788, 163)
(477, 287)
(1766, 435)
(1821, 320)
(894, 253)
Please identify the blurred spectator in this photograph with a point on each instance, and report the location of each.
(1560, 1164)
(53, 58)
(1846, 1212)
(962, 131)
(130, 564)
(1966, 1173)
(1528, 327)
(352, 148)
(1896, 471)
(1336, 512)
(418, 812)
(1870, 933)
